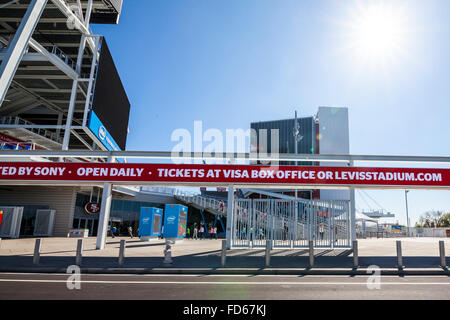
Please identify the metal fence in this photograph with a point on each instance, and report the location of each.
(291, 223)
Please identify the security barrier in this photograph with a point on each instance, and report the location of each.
(291, 223)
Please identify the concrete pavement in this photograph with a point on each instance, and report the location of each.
(421, 256)
(201, 287)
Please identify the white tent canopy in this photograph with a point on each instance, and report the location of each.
(362, 217)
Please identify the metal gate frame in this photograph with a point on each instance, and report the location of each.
(291, 223)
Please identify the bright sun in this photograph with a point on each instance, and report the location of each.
(378, 32)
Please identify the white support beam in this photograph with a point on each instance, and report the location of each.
(87, 18)
(8, 4)
(91, 80)
(59, 123)
(230, 212)
(19, 44)
(80, 138)
(238, 156)
(73, 97)
(352, 211)
(104, 216)
(53, 59)
(78, 24)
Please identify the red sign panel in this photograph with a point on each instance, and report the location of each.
(223, 174)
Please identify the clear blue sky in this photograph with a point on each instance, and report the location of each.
(232, 62)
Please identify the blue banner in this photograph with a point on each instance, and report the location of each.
(99, 130)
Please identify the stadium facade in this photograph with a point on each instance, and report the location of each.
(60, 90)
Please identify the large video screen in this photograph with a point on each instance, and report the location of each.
(111, 103)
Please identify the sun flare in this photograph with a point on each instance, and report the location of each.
(378, 33)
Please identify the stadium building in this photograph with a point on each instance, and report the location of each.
(60, 90)
(325, 133)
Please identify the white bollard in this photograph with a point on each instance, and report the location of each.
(399, 255)
(355, 254)
(268, 243)
(442, 254)
(37, 251)
(79, 255)
(122, 252)
(224, 252)
(168, 252)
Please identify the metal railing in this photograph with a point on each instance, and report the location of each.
(213, 205)
(63, 56)
(17, 146)
(17, 121)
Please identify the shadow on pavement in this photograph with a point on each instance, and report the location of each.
(213, 261)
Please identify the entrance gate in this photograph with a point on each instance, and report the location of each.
(291, 223)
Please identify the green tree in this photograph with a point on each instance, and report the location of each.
(434, 219)
(446, 221)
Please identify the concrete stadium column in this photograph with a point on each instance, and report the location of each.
(104, 216)
(352, 211)
(230, 211)
(19, 44)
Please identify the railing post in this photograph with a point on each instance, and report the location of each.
(79, 255)
(399, 255)
(442, 254)
(267, 253)
(122, 252)
(37, 251)
(355, 254)
(311, 253)
(224, 253)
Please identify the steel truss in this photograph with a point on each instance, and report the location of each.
(24, 48)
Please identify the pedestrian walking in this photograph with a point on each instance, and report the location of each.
(336, 234)
(188, 233)
(202, 232)
(321, 230)
(195, 232)
(211, 231)
(215, 232)
(130, 231)
(113, 231)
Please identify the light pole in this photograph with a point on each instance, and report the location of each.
(407, 217)
(297, 139)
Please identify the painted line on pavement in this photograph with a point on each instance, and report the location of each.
(223, 282)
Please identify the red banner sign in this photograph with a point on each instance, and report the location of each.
(222, 174)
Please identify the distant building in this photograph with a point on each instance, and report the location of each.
(325, 133)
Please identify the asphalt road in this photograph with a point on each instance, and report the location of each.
(214, 287)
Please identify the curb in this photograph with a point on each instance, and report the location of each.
(234, 271)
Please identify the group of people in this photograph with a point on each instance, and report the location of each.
(202, 233)
(113, 231)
